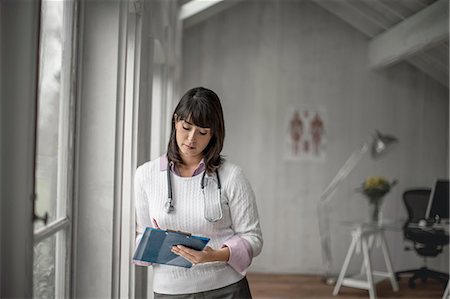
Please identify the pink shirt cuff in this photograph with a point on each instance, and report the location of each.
(241, 254)
(141, 263)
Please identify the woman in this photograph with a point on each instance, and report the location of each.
(209, 197)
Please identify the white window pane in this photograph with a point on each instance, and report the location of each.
(49, 267)
(52, 158)
(53, 148)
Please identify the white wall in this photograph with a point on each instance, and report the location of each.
(262, 58)
(18, 86)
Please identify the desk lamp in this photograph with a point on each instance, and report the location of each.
(379, 144)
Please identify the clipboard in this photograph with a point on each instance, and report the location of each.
(156, 244)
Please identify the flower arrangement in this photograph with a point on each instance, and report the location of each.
(375, 188)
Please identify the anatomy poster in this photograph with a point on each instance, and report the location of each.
(306, 133)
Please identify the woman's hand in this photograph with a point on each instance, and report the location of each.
(206, 255)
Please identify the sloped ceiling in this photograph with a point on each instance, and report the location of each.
(416, 31)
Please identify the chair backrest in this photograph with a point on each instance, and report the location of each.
(426, 242)
(416, 202)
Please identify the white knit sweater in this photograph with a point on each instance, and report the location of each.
(240, 217)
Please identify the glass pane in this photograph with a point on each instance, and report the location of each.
(53, 152)
(49, 267)
(53, 110)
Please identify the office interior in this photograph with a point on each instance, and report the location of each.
(363, 66)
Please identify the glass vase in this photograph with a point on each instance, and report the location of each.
(374, 209)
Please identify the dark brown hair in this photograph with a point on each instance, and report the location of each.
(201, 107)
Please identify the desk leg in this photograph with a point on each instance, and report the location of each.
(350, 251)
(370, 243)
(446, 293)
(388, 262)
(368, 266)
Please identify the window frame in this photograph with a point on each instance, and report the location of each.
(62, 226)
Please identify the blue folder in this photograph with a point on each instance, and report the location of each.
(156, 244)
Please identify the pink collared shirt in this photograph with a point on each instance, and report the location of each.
(241, 253)
(163, 164)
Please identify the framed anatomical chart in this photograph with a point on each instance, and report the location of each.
(305, 133)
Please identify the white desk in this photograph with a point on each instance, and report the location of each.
(446, 292)
(367, 236)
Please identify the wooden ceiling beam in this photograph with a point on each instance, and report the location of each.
(197, 11)
(415, 34)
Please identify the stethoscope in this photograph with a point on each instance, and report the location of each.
(211, 218)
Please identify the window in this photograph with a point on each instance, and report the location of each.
(54, 150)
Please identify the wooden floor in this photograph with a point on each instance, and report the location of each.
(264, 286)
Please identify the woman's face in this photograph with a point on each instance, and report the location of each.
(191, 139)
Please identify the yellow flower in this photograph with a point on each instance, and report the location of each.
(375, 187)
(376, 182)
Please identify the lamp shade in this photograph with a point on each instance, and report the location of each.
(381, 143)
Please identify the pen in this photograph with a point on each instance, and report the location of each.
(155, 223)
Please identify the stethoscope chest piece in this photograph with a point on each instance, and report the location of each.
(169, 206)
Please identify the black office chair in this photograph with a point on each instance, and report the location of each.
(427, 241)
